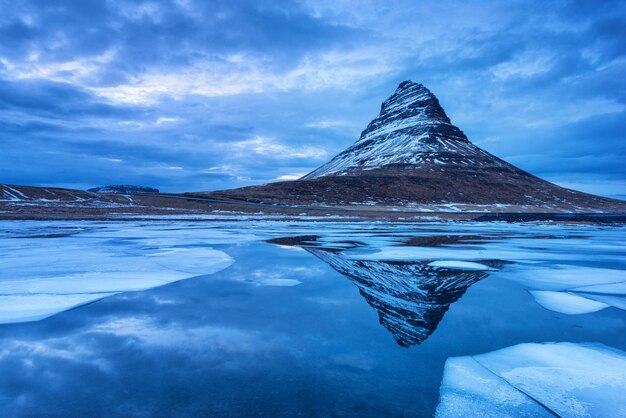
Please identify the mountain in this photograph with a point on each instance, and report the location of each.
(124, 189)
(412, 131)
(409, 160)
(412, 156)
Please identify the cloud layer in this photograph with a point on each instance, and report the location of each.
(193, 95)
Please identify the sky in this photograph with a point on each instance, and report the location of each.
(192, 95)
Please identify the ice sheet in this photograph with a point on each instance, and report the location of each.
(573, 290)
(570, 380)
(618, 301)
(566, 303)
(279, 282)
(470, 390)
(33, 307)
(563, 277)
(536, 257)
(604, 289)
(141, 254)
(43, 276)
(522, 244)
(459, 265)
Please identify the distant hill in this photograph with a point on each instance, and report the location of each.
(29, 202)
(124, 189)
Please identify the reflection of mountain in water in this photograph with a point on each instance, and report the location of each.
(411, 297)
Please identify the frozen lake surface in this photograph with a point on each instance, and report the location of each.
(268, 318)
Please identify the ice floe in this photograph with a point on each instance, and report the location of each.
(573, 290)
(33, 307)
(562, 379)
(468, 389)
(69, 258)
(566, 303)
(564, 277)
(544, 260)
(278, 282)
(43, 276)
(459, 265)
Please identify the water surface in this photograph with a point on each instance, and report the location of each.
(294, 319)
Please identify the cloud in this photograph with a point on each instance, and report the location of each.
(294, 176)
(524, 65)
(270, 88)
(164, 119)
(234, 75)
(54, 99)
(268, 147)
(328, 124)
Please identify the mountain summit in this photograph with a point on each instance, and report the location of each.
(411, 156)
(411, 129)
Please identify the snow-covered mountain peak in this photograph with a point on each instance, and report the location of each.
(411, 106)
(411, 99)
(411, 129)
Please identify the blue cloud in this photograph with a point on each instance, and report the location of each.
(176, 94)
(40, 96)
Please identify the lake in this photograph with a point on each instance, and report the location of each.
(268, 318)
